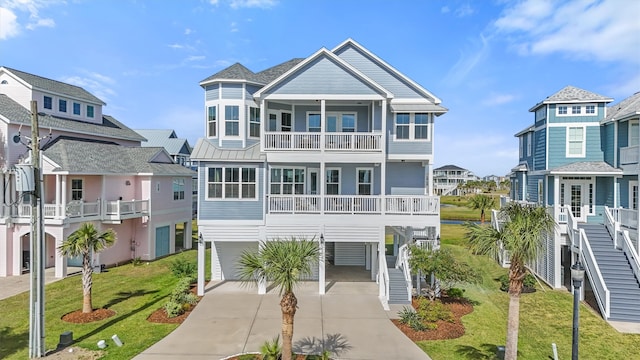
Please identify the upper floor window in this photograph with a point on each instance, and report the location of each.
(365, 181)
(590, 109)
(576, 141)
(541, 113)
(254, 122)
(529, 143)
(232, 120)
(287, 181)
(211, 121)
(231, 183)
(576, 109)
(313, 123)
(412, 126)
(402, 126)
(62, 105)
(562, 110)
(48, 102)
(633, 133)
(422, 126)
(76, 108)
(178, 189)
(76, 189)
(332, 182)
(279, 121)
(341, 122)
(90, 111)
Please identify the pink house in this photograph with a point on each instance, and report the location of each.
(94, 171)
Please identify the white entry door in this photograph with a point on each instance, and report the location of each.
(576, 196)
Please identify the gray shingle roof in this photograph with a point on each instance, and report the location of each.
(110, 127)
(54, 86)
(625, 108)
(206, 151)
(88, 157)
(570, 94)
(272, 73)
(238, 71)
(450, 167)
(587, 167)
(166, 139)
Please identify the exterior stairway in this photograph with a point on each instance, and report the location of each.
(617, 273)
(397, 284)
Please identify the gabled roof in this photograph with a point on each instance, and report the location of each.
(572, 94)
(272, 73)
(625, 109)
(53, 86)
(586, 168)
(528, 129)
(521, 167)
(206, 151)
(82, 156)
(166, 139)
(239, 72)
(14, 113)
(450, 168)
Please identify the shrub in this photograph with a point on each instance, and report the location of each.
(455, 293)
(173, 309)
(411, 319)
(137, 261)
(432, 311)
(529, 281)
(271, 350)
(183, 268)
(181, 299)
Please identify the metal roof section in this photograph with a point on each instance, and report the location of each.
(625, 109)
(586, 168)
(206, 151)
(572, 94)
(166, 139)
(522, 132)
(53, 86)
(419, 107)
(14, 113)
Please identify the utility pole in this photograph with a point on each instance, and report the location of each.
(36, 296)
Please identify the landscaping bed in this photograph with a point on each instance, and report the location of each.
(453, 329)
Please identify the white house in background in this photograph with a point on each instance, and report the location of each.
(447, 179)
(336, 147)
(94, 171)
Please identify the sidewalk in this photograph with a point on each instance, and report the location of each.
(348, 320)
(14, 285)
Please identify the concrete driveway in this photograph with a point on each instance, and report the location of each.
(348, 320)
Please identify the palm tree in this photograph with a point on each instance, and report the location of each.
(285, 263)
(83, 242)
(522, 235)
(482, 202)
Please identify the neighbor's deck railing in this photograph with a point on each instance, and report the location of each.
(354, 204)
(79, 209)
(313, 141)
(402, 263)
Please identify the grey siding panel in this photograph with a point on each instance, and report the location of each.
(278, 106)
(539, 148)
(532, 188)
(232, 91)
(408, 175)
(349, 254)
(211, 92)
(232, 144)
(568, 119)
(409, 147)
(623, 134)
(624, 190)
(349, 233)
(323, 76)
(374, 71)
(230, 209)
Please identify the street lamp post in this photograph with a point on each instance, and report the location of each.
(577, 277)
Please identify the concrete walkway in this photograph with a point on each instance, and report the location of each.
(14, 285)
(348, 320)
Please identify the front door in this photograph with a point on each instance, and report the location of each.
(577, 198)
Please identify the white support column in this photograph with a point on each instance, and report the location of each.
(201, 250)
(321, 267)
(60, 260)
(556, 196)
(383, 186)
(63, 197)
(187, 240)
(262, 283)
(323, 125)
(57, 212)
(322, 179)
(17, 255)
(430, 174)
(373, 248)
(263, 123)
(381, 263)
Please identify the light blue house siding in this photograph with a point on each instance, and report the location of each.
(623, 136)
(405, 178)
(608, 143)
(553, 118)
(540, 150)
(323, 76)
(532, 189)
(374, 71)
(558, 146)
(212, 92)
(527, 156)
(541, 116)
(250, 90)
(604, 197)
(230, 209)
(624, 190)
(232, 91)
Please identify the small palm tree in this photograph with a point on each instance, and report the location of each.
(522, 235)
(285, 263)
(83, 242)
(482, 202)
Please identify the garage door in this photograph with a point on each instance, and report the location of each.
(162, 241)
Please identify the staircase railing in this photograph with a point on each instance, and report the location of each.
(613, 226)
(402, 262)
(603, 296)
(621, 239)
(572, 226)
(632, 255)
(384, 277)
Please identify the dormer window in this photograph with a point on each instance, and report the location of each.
(90, 111)
(562, 110)
(232, 120)
(76, 108)
(62, 105)
(48, 102)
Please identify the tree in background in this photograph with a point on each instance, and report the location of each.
(482, 202)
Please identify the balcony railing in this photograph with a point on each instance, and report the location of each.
(354, 204)
(629, 155)
(79, 209)
(313, 141)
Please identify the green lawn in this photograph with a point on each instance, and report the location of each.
(133, 292)
(545, 318)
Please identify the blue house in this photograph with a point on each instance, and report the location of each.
(336, 147)
(580, 160)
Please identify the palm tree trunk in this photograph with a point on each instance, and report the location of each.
(288, 304)
(513, 323)
(87, 282)
(482, 216)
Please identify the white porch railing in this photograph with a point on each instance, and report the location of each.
(402, 263)
(503, 254)
(632, 254)
(295, 204)
(428, 244)
(572, 226)
(82, 209)
(626, 217)
(600, 289)
(79, 209)
(313, 141)
(415, 205)
(383, 275)
(629, 155)
(119, 208)
(361, 204)
(354, 204)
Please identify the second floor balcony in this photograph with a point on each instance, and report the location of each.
(629, 155)
(76, 211)
(354, 204)
(314, 141)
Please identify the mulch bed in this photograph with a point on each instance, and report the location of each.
(160, 316)
(445, 330)
(78, 317)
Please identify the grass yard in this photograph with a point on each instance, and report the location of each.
(133, 292)
(545, 318)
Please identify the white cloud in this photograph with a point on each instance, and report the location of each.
(11, 16)
(9, 26)
(464, 10)
(468, 62)
(264, 4)
(605, 30)
(96, 83)
(234, 27)
(482, 153)
(445, 9)
(498, 99)
(41, 23)
(195, 58)
(188, 31)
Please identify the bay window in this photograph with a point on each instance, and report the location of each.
(211, 121)
(232, 120)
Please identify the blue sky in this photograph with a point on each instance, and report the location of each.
(489, 61)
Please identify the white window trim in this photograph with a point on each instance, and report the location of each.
(541, 191)
(529, 140)
(239, 121)
(294, 168)
(633, 183)
(629, 132)
(278, 114)
(86, 109)
(339, 124)
(339, 180)
(173, 191)
(216, 121)
(82, 189)
(240, 183)
(251, 122)
(307, 119)
(583, 109)
(358, 179)
(412, 126)
(584, 142)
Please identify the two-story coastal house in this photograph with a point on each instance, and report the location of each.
(94, 170)
(336, 147)
(580, 159)
(448, 178)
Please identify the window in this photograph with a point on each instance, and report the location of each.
(232, 120)
(48, 102)
(89, 111)
(76, 108)
(286, 121)
(540, 191)
(634, 135)
(211, 121)
(402, 126)
(521, 148)
(333, 182)
(562, 110)
(62, 105)
(231, 183)
(633, 195)
(178, 189)
(590, 109)
(341, 122)
(76, 189)
(313, 123)
(422, 126)
(273, 122)
(576, 109)
(254, 122)
(287, 181)
(529, 141)
(365, 181)
(283, 125)
(348, 122)
(575, 142)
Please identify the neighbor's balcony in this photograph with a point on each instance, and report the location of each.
(629, 155)
(80, 210)
(354, 204)
(313, 141)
